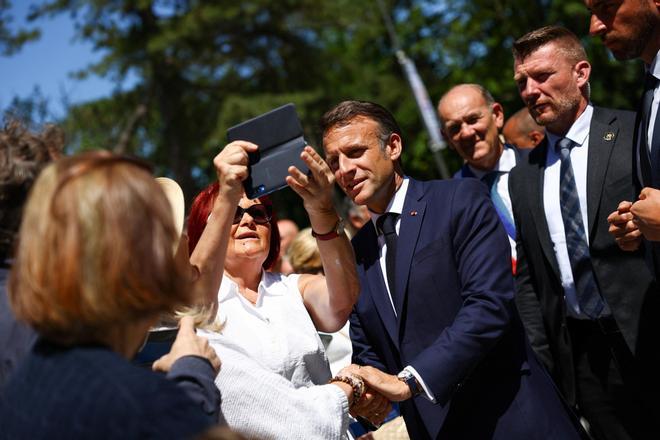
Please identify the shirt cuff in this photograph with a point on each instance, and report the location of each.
(427, 392)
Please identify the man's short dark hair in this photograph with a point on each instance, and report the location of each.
(344, 112)
(23, 155)
(567, 41)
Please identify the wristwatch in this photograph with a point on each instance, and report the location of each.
(337, 230)
(409, 379)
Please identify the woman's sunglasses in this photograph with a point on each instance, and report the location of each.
(261, 214)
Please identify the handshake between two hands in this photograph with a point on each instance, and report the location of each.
(380, 389)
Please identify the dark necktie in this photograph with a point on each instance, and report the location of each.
(589, 300)
(387, 225)
(645, 117)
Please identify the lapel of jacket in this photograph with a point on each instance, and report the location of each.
(411, 223)
(516, 152)
(537, 160)
(376, 282)
(602, 136)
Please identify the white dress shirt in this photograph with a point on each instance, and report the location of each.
(504, 166)
(396, 206)
(579, 134)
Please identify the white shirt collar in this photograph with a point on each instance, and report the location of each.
(228, 287)
(504, 165)
(396, 204)
(579, 131)
(654, 67)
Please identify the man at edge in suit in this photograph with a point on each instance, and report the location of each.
(597, 301)
(436, 315)
(631, 29)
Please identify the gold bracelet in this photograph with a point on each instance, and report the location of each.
(356, 382)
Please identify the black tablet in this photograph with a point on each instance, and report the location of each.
(280, 138)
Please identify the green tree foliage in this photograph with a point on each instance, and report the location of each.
(11, 40)
(203, 66)
(470, 41)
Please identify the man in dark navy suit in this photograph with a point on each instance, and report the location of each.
(435, 324)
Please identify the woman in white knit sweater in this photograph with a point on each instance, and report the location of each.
(274, 379)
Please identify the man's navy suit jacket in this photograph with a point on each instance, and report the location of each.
(458, 327)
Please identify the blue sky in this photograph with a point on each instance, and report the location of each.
(47, 63)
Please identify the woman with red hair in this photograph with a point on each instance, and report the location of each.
(272, 318)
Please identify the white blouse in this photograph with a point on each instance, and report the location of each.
(272, 358)
(277, 331)
(263, 405)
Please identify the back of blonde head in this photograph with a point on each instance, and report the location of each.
(303, 253)
(95, 249)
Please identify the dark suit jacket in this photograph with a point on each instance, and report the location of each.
(651, 248)
(91, 392)
(623, 278)
(458, 327)
(16, 338)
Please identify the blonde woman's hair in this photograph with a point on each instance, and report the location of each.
(95, 249)
(205, 316)
(303, 253)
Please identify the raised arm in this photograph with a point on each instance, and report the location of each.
(330, 298)
(208, 258)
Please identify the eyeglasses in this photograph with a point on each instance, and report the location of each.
(261, 214)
